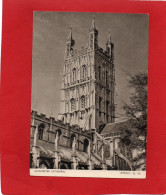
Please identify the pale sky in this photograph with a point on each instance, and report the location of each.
(129, 34)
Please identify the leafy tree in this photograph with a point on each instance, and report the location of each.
(134, 137)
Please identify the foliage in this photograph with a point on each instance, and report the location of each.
(134, 137)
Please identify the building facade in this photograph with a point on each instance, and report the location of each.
(77, 140)
(56, 145)
(88, 83)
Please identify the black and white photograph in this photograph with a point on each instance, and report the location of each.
(89, 94)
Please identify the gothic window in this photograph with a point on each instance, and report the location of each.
(107, 110)
(74, 75)
(107, 106)
(83, 71)
(99, 73)
(100, 99)
(106, 77)
(58, 133)
(40, 130)
(83, 101)
(86, 144)
(72, 138)
(72, 104)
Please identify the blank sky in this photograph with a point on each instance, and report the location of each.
(129, 34)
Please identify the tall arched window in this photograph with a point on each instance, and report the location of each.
(99, 72)
(100, 100)
(58, 133)
(57, 138)
(107, 106)
(107, 110)
(72, 138)
(83, 71)
(72, 104)
(74, 75)
(86, 144)
(106, 77)
(41, 128)
(83, 101)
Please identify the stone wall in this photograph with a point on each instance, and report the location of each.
(52, 126)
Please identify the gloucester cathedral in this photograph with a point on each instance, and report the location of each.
(85, 135)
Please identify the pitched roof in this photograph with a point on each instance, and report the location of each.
(115, 127)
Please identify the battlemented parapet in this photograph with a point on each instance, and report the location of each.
(48, 126)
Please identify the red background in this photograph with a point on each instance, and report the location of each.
(16, 100)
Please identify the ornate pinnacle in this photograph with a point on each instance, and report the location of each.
(93, 23)
(109, 36)
(70, 33)
(70, 38)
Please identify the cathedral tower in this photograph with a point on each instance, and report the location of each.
(88, 83)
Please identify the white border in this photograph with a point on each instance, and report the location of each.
(88, 173)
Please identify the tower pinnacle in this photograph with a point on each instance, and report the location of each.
(93, 35)
(70, 37)
(70, 33)
(93, 26)
(109, 36)
(109, 45)
(70, 43)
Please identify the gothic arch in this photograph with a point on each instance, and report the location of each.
(106, 77)
(72, 139)
(99, 72)
(58, 132)
(86, 144)
(107, 106)
(41, 128)
(84, 71)
(43, 165)
(74, 74)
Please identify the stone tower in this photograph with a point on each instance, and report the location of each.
(88, 83)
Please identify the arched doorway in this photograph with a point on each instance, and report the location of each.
(63, 166)
(43, 165)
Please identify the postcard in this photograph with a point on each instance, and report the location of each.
(89, 95)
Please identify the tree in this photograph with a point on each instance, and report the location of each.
(135, 136)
